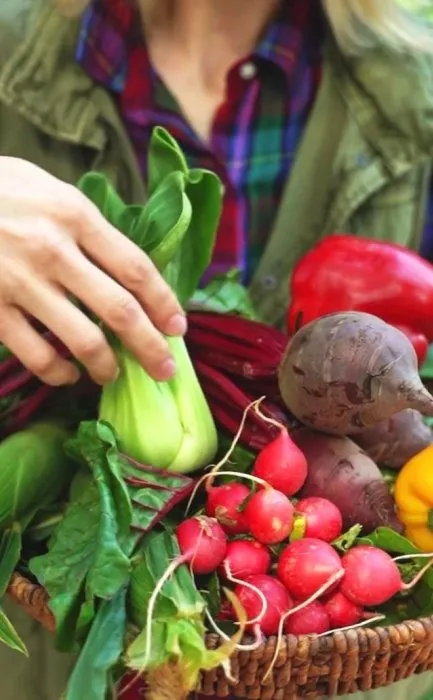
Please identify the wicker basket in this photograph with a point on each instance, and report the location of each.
(341, 663)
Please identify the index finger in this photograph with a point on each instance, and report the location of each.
(133, 269)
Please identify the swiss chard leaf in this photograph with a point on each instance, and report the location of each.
(101, 651)
(88, 555)
(95, 445)
(224, 294)
(153, 492)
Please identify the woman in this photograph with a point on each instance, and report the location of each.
(316, 118)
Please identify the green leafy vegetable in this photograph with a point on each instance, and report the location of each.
(88, 555)
(168, 425)
(111, 505)
(225, 294)
(10, 552)
(35, 471)
(394, 543)
(101, 651)
(347, 539)
(426, 371)
(175, 642)
(9, 636)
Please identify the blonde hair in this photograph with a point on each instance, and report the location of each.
(365, 24)
(357, 25)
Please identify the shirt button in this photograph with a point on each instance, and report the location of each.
(248, 70)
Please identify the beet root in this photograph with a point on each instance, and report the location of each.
(348, 371)
(339, 471)
(395, 441)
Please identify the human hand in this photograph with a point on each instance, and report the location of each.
(54, 245)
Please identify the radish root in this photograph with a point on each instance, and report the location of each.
(364, 623)
(320, 591)
(240, 647)
(233, 579)
(237, 475)
(420, 574)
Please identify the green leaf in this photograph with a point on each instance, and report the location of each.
(95, 445)
(426, 371)
(88, 555)
(177, 626)
(63, 570)
(177, 225)
(10, 552)
(212, 594)
(4, 352)
(101, 651)
(165, 157)
(225, 294)
(347, 539)
(195, 251)
(394, 543)
(9, 636)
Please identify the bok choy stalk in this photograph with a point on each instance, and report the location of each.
(167, 425)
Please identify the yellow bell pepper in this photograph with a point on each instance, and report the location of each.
(414, 499)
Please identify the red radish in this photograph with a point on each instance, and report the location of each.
(313, 619)
(226, 611)
(270, 516)
(282, 464)
(341, 611)
(306, 565)
(278, 601)
(204, 542)
(322, 518)
(371, 576)
(245, 558)
(223, 503)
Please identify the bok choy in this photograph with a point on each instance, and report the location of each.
(168, 425)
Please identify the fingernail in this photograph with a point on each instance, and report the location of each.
(168, 370)
(177, 325)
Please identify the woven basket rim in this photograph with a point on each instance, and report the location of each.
(34, 599)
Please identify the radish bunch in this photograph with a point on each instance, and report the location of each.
(277, 555)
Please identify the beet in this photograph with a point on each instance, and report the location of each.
(348, 371)
(339, 471)
(394, 441)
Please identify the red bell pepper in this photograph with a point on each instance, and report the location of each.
(347, 273)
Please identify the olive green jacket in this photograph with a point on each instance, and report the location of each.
(362, 167)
